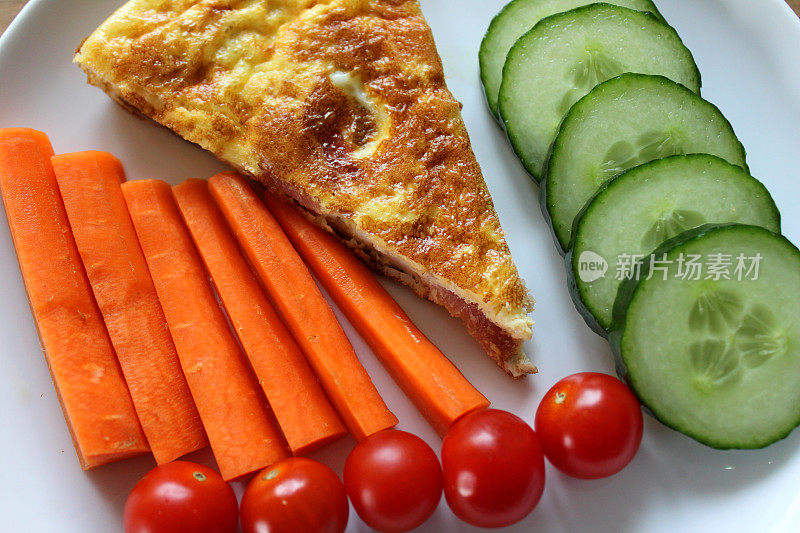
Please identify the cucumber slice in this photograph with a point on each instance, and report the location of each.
(565, 55)
(624, 122)
(717, 359)
(638, 210)
(516, 18)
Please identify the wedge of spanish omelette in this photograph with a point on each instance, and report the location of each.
(341, 106)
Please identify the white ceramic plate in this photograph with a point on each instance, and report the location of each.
(748, 53)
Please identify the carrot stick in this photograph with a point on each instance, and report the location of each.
(304, 413)
(90, 186)
(243, 435)
(85, 372)
(440, 392)
(302, 307)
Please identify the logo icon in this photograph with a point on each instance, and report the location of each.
(591, 266)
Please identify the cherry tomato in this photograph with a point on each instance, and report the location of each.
(181, 497)
(394, 480)
(297, 495)
(590, 425)
(493, 468)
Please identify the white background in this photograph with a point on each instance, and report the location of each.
(749, 56)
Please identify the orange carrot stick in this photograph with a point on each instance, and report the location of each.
(304, 413)
(243, 435)
(302, 307)
(429, 379)
(85, 372)
(90, 186)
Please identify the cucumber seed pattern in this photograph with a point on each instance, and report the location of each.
(590, 70)
(715, 311)
(743, 340)
(670, 224)
(715, 363)
(648, 146)
(760, 337)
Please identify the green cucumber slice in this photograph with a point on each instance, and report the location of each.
(641, 208)
(565, 55)
(621, 123)
(511, 23)
(717, 359)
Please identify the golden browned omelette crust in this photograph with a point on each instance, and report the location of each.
(341, 105)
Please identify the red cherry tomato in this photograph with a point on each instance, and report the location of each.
(297, 495)
(181, 497)
(589, 425)
(493, 468)
(394, 480)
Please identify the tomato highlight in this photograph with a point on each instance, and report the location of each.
(493, 468)
(394, 480)
(589, 425)
(297, 495)
(181, 497)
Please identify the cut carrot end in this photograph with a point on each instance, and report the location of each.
(301, 305)
(12, 136)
